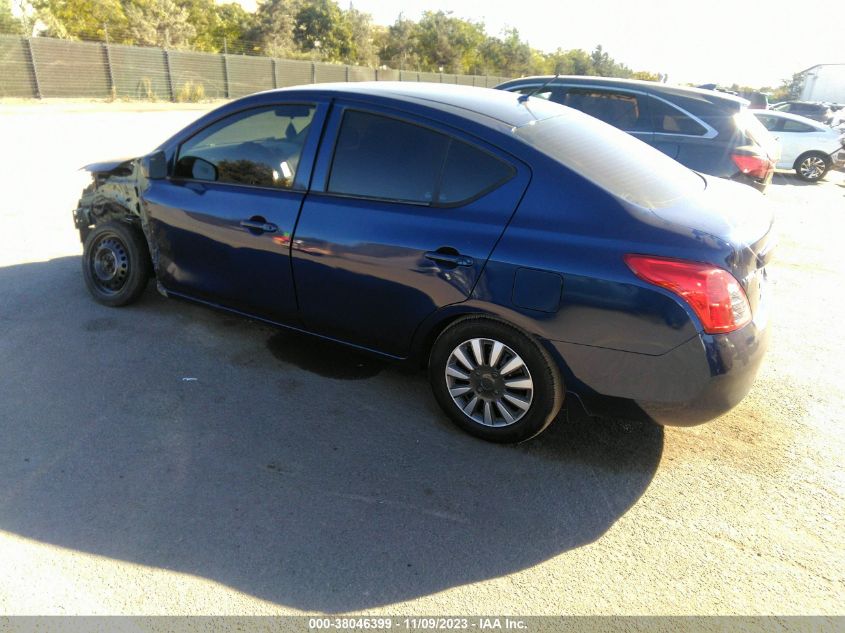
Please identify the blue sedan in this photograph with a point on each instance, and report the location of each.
(527, 254)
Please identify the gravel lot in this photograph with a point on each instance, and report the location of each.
(291, 476)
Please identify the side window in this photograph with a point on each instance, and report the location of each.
(770, 122)
(470, 172)
(669, 120)
(796, 126)
(620, 110)
(381, 157)
(259, 147)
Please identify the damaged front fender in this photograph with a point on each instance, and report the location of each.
(114, 194)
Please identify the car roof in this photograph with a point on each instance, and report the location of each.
(817, 104)
(791, 117)
(647, 86)
(473, 102)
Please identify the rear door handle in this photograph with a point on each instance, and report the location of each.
(260, 225)
(453, 259)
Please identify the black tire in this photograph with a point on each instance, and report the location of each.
(545, 397)
(812, 166)
(115, 263)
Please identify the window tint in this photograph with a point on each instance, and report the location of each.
(796, 126)
(259, 147)
(618, 109)
(381, 157)
(670, 120)
(770, 122)
(469, 172)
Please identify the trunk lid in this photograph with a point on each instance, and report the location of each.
(738, 217)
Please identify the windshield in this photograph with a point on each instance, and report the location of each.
(614, 160)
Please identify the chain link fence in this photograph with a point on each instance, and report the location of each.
(42, 67)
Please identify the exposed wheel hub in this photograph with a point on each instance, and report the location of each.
(110, 264)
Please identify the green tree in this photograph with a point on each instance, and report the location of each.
(789, 89)
(571, 62)
(364, 37)
(81, 19)
(644, 75)
(8, 22)
(449, 44)
(401, 47)
(605, 66)
(159, 23)
(205, 18)
(234, 27)
(509, 55)
(322, 30)
(275, 25)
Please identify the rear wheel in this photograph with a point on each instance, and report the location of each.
(812, 166)
(494, 381)
(115, 263)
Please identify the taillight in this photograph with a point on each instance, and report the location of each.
(754, 165)
(713, 293)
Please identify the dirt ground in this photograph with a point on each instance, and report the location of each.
(271, 485)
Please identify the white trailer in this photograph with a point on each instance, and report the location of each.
(824, 82)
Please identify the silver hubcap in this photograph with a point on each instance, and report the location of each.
(812, 167)
(489, 382)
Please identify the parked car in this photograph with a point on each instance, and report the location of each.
(807, 147)
(820, 112)
(521, 250)
(708, 131)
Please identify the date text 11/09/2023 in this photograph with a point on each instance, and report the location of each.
(417, 624)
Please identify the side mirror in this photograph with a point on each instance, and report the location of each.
(156, 166)
(195, 168)
(203, 170)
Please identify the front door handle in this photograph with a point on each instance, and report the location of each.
(259, 225)
(451, 259)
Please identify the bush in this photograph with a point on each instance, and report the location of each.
(190, 92)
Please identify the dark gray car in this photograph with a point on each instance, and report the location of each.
(708, 131)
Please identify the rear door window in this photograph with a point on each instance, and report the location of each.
(623, 110)
(771, 123)
(796, 126)
(389, 159)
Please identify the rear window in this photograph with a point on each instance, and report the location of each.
(796, 126)
(615, 161)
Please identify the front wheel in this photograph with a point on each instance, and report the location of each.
(812, 166)
(494, 381)
(115, 263)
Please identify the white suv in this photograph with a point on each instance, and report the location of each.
(808, 147)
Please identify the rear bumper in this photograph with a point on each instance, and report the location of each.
(759, 184)
(694, 383)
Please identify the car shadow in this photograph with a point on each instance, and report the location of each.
(790, 178)
(171, 435)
